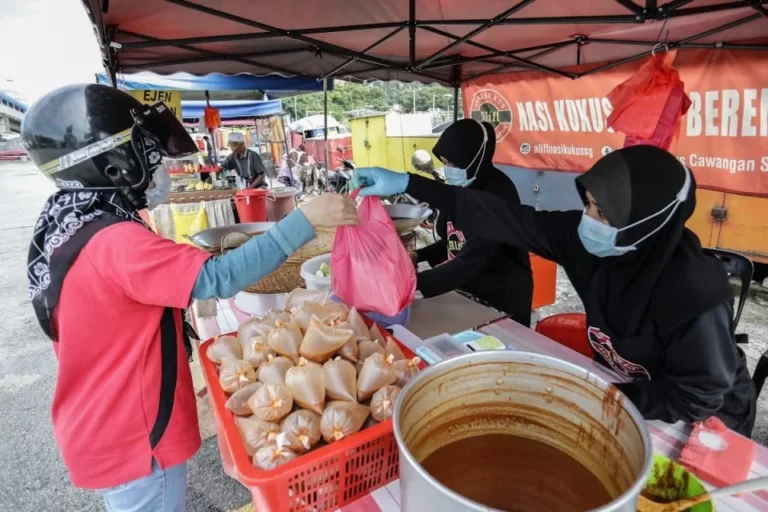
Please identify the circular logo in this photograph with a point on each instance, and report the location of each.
(525, 148)
(492, 107)
(605, 150)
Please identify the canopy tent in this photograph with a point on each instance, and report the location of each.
(220, 86)
(411, 40)
(232, 109)
(313, 123)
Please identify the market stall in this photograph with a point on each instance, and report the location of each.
(424, 41)
(242, 105)
(260, 121)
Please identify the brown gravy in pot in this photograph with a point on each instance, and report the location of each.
(516, 474)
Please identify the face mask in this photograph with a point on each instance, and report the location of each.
(458, 177)
(455, 176)
(600, 239)
(162, 189)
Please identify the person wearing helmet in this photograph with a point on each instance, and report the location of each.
(460, 259)
(423, 165)
(659, 310)
(109, 292)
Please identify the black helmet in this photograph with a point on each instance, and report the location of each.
(100, 138)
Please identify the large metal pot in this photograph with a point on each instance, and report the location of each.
(530, 395)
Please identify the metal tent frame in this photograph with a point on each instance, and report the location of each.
(117, 41)
(379, 50)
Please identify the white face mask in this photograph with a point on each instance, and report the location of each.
(162, 189)
(459, 177)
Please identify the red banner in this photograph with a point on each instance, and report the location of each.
(544, 121)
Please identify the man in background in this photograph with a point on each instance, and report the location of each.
(246, 163)
(208, 159)
(208, 151)
(293, 167)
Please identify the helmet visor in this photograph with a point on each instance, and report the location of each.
(160, 124)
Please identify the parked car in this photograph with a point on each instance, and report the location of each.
(13, 155)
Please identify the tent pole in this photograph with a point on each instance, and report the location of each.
(456, 81)
(455, 103)
(210, 131)
(412, 33)
(325, 132)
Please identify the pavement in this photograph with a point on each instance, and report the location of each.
(32, 475)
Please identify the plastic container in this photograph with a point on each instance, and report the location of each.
(258, 304)
(327, 478)
(309, 273)
(251, 205)
(670, 481)
(282, 201)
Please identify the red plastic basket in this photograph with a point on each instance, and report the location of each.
(324, 479)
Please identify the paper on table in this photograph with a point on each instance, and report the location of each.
(478, 341)
(717, 454)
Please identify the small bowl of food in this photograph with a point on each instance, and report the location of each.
(670, 481)
(316, 272)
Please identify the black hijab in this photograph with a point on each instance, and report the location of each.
(460, 144)
(68, 221)
(667, 280)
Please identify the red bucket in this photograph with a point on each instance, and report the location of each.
(251, 205)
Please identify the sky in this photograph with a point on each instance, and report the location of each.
(45, 44)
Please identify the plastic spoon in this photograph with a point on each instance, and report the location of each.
(647, 505)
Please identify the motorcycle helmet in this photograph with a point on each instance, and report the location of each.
(97, 137)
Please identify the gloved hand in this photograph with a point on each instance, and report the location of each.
(374, 181)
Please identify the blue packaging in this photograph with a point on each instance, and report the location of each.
(402, 318)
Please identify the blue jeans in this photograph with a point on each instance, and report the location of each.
(162, 491)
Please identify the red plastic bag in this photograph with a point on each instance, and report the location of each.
(640, 101)
(370, 268)
(669, 125)
(212, 117)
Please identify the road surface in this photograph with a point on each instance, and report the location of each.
(32, 475)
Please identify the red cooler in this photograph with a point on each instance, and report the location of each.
(251, 205)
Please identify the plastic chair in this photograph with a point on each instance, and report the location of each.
(737, 265)
(568, 329)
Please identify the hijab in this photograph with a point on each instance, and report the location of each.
(68, 221)
(667, 280)
(460, 144)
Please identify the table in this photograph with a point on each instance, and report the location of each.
(196, 196)
(668, 439)
(448, 313)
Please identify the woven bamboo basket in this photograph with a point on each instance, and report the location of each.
(288, 276)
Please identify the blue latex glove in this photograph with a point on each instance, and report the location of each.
(375, 181)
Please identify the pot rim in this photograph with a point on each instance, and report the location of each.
(493, 356)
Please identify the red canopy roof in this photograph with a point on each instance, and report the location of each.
(424, 40)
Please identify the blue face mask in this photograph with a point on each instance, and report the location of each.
(456, 177)
(600, 239)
